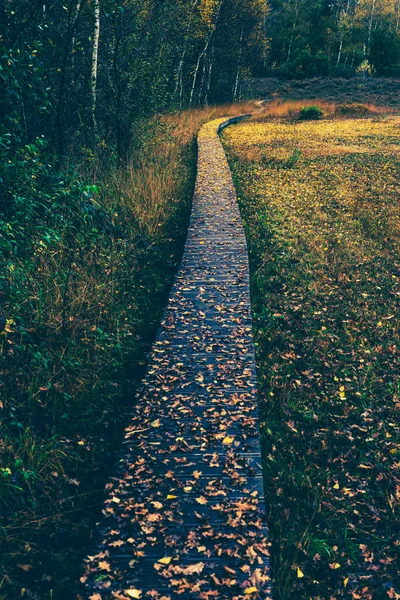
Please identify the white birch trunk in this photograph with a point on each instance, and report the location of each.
(95, 57)
(370, 24)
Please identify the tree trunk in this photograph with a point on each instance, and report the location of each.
(118, 95)
(339, 53)
(179, 78)
(370, 24)
(210, 68)
(179, 71)
(236, 84)
(77, 11)
(202, 53)
(196, 71)
(292, 34)
(69, 42)
(93, 75)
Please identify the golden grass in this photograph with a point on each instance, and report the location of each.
(284, 109)
(320, 205)
(149, 187)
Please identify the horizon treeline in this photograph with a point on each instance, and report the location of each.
(82, 71)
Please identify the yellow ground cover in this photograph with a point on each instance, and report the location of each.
(320, 204)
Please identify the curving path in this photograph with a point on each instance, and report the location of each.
(185, 515)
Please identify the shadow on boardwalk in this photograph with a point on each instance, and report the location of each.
(185, 515)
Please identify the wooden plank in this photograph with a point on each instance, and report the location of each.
(188, 487)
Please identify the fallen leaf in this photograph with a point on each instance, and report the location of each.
(133, 593)
(228, 440)
(300, 573)
(25, 567)
(201, 500)
(194, 569)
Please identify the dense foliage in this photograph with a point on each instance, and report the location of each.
(320, 204)
(341, 38)
(87, 69)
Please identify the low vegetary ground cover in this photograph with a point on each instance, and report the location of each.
(381, 91)
(320, 202)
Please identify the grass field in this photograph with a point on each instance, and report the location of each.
(320, 203)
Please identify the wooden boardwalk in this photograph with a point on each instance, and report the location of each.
(185, 515)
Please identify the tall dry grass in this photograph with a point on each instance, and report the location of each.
(151, 185)
(284, 109)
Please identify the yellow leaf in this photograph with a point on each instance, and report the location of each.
(336, 486)
(171, 497)
(228, 440)
(251, 590)
(165, 560)
(134, 593)
(336, 566)
(300, 573)
(346, 581)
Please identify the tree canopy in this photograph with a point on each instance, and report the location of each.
(72, 68)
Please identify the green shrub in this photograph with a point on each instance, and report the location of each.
(311, 113)
(353, 109)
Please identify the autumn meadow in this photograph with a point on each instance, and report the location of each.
(101, 103)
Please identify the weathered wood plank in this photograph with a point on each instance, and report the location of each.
(188, 487)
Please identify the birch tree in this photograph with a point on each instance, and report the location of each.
(94, 64)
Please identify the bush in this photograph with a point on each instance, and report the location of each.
(311, 113)
(353, 109)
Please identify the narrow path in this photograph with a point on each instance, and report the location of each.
(185, 516)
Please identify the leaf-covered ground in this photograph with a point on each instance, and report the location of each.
(320, 205)
(185, 515)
